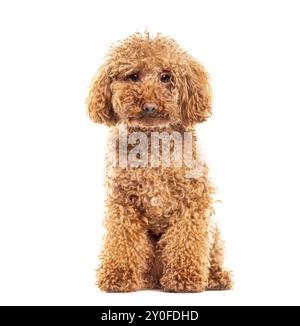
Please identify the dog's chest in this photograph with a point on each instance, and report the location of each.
(157, 204)
(157, 194)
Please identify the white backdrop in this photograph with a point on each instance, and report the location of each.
(51, 155)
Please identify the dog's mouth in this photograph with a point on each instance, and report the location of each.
(163, 117)
(150, 120)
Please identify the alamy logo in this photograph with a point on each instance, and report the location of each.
(157, 149)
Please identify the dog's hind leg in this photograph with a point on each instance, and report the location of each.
(219, 278)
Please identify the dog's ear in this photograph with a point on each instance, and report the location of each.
(195, 93)
(99, 99)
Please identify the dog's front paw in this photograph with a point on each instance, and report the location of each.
(118, 280)
(178, 282)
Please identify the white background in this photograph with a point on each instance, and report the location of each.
(51, 155)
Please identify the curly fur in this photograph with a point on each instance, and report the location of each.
(160, 232)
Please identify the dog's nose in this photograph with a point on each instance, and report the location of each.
(149, 108)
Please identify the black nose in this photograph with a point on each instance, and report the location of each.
(149, 108)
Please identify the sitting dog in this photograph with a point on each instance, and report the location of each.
(160, 231)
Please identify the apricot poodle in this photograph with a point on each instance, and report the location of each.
(159, 214)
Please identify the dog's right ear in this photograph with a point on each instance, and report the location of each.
(99, 99)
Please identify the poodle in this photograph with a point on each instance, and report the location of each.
(160, 232)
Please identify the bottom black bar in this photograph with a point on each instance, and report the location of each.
(133, 315)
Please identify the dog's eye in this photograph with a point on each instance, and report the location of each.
(165, 77)
(134, 77)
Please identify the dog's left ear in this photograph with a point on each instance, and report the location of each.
(195, 93)
(99, 99)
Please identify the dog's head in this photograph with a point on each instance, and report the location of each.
(150, 82)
